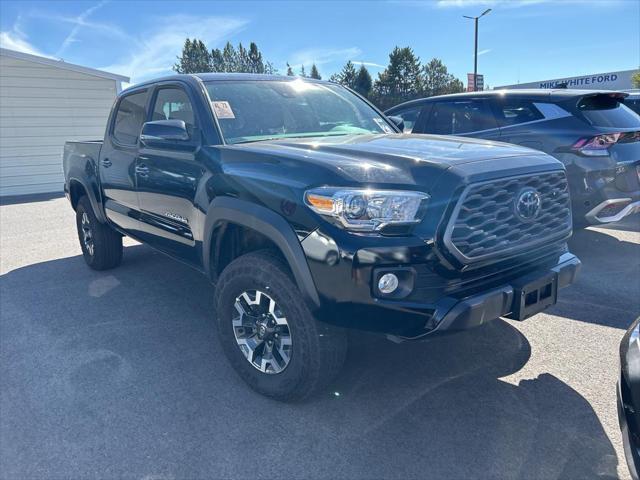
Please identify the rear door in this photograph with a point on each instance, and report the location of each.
(471, 117)
(168, 177)
(118, 160)
(519, 120)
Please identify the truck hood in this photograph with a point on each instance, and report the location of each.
(394, 148)
(394, 158)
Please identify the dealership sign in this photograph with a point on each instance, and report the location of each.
(479, 82)
(599, 81)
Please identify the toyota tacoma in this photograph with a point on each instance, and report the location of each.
(311, 212)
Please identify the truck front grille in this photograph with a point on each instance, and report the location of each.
(509, 215)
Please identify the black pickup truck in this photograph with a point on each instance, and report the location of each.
(311, 212)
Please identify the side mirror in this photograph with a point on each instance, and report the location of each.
(398, 121)
(164, 132)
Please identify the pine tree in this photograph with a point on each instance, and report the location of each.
(400, 81)
(290, 71)
(302, 72)
(255, 63)
(315, 73)
(240, 59)
(194, 58)
(363, 83)
(217, 61)
(346, 76)
(230, 58)
(436, 80)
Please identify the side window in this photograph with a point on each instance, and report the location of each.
(129, 118)
(519, 111)
(409, 116)
(458, 117)
(173, 104)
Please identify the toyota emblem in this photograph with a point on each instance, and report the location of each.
(528, 204)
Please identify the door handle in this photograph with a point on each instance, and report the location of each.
(106, 163)
(142, 170)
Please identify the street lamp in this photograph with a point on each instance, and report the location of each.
(475, 58)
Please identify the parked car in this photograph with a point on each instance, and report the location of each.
(310, 212)
(592, 133)
(629, 396)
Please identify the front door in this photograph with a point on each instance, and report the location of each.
(118, 161)
(168, 178)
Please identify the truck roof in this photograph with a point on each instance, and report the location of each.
(210, 77)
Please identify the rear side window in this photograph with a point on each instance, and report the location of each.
(174, 104)
(606, 111)
(457, 117)
(516, 112)
(129, 118)
(409, 117)
(633, 104)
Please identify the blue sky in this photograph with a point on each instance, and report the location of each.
(520, 40)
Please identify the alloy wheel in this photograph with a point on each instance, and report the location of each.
(262, 332)
(87, 235)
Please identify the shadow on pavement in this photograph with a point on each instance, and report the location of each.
(31, 198)
(608, 288)
(119, 374)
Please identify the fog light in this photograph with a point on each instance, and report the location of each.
(388, 283)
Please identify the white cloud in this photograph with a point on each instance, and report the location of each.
(321, 56)
(368, 64)
(13, 42)
(155, 52)
(16, 39)
(79, 22)
(483, 52)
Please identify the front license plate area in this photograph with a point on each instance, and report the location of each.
(531, 296)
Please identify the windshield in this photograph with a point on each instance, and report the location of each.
(253, 110)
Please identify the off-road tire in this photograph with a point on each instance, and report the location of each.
(317, 349)
(106, 249)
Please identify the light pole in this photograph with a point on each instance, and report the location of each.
(475, 57)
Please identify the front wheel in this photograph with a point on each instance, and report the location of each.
(101, 245)
(268, 333)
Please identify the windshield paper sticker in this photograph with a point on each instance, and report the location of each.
(381, 123)
(222, 110)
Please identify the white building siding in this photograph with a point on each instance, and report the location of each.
(41, 107)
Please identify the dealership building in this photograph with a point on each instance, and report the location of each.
(43, 103)
(599, 81)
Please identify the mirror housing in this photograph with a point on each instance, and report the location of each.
(398, 122)
(164, 132)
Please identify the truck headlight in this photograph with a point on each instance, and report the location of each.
(368, 210)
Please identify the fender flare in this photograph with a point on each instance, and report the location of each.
(93, 199)
(269, 224)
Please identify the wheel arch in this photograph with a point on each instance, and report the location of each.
(78, 188)
(225, 212)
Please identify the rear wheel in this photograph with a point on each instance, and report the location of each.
(268, 333)
(101, 245)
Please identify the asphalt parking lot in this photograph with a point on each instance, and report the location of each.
(119, 374)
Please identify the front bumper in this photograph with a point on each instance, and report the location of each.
(507, 300)
(431, 297)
